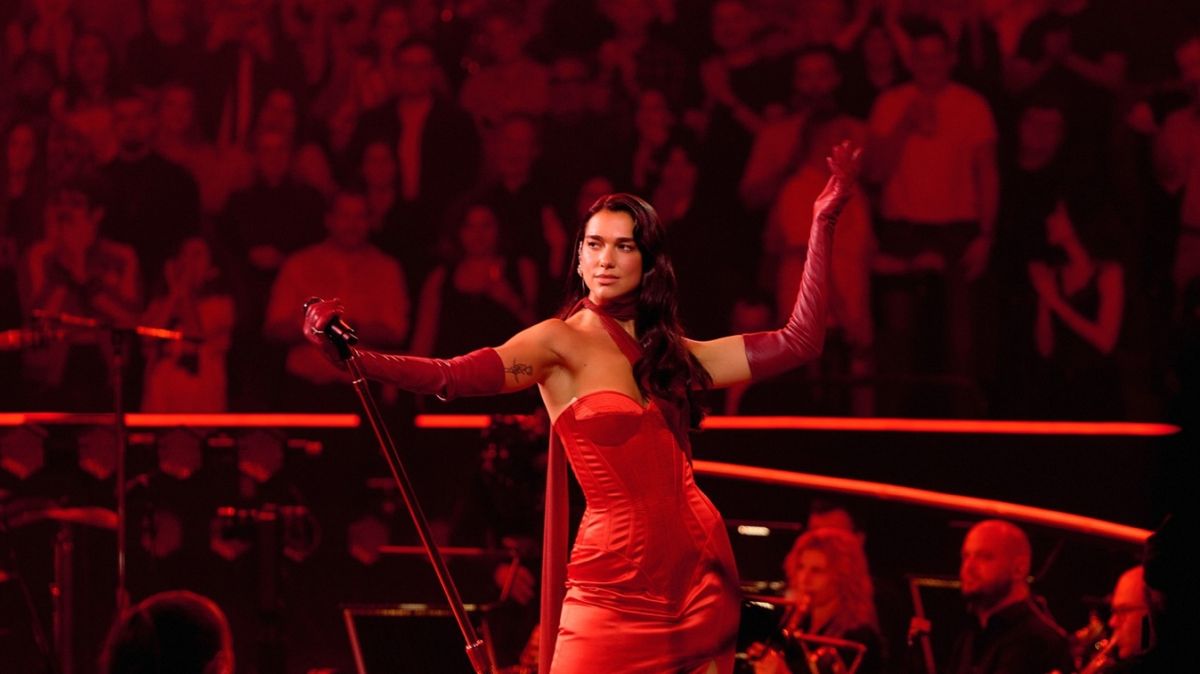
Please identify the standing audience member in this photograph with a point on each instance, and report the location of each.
(933, 149)
(74, 270)
(217, 170)
(261, 226)
(280, 112)
(28, 92)
(436, 144)
(45, 29)
(1080, 291)
(520, 195)
(244, 58)
(704, 240)
(22, 212)
(483, 287)
(483, 293)
(1177, 160)
(85, 102)
(578, 128)
(188, 376)
(634, 60)
(654, 125)
(850, 292)
(174, 632)
(1010, 630)
(740, 84)
(815, 82)
(152, 203)
(1033, 181)
(23, 182)
(167, 50)
(508, 82)
(1076, 49)
(347, 266)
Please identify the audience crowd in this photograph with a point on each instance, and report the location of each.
(1026, 242)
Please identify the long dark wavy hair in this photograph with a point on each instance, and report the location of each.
(666, 369)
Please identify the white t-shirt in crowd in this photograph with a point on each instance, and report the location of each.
(934, 179)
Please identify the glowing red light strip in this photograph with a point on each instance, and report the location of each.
(197, 420)
(939, 426)
(452, 421)
(875, 424)
(891, 492)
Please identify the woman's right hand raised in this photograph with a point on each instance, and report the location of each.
(318, 315)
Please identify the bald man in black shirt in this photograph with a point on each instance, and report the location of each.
(1010, 632)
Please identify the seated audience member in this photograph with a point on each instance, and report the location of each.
(1080, 311)
(1010, 631)
(74, 270)
(347, 266)
(829, 582)
(175, 632)
(193, 298)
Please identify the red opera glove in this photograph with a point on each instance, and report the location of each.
(478, 373)
(777, 351)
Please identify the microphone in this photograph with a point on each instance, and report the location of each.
(336, 328)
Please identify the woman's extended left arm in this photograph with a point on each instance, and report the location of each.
(739, 358)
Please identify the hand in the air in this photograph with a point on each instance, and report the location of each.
(317, 316)
(844, 162)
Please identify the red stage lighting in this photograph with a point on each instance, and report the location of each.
(365, 537)
(260, 455)
(21, 451)
(98, 452)
(179, 453)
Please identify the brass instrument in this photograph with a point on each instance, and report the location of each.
(1104, 659)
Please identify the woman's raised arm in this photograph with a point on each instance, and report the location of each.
(740, 358)
(524, 360)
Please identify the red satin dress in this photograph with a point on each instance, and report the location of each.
(651, 584)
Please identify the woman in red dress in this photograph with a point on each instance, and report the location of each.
(651, 584)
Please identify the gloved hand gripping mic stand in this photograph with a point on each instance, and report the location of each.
(343, 338)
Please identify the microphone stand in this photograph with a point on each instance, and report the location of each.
(120, 336)
(477, 652)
